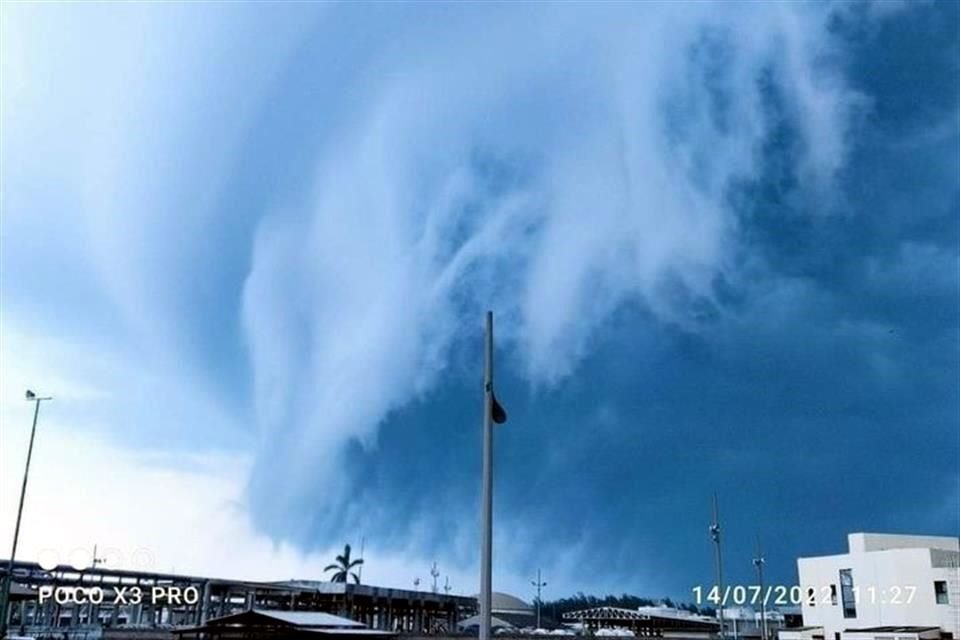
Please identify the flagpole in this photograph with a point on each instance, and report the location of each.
(486, 509)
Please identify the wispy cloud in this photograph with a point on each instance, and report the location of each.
(552, 178)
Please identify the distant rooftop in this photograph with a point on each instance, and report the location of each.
(864, 542)
(309, 619)
(504, 602)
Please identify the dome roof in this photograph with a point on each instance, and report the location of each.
(506, 602)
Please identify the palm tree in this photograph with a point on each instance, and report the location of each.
(342, 567)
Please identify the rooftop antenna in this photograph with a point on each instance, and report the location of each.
(539, 584)
(446, 585)
(96, 559)
(416, 583)
(715, 535)
(435, 573)
(758, 562)
(360, 566)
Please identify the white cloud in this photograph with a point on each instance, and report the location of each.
(152, 512)
(159, 508)
(148, 514)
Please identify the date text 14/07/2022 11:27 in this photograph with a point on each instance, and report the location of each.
(782, 595)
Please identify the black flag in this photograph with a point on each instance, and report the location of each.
(497, 413)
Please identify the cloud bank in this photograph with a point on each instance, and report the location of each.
(720, 242)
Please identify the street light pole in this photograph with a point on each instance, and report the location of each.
(539, 584)
(4, 600)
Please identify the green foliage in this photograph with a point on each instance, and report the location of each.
(624, 601)
(342, 567)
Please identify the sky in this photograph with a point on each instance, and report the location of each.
(248, 247)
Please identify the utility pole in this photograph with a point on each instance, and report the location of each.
(715, 535)
(758, 562)
(539, 584)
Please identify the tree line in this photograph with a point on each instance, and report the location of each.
(556, 608)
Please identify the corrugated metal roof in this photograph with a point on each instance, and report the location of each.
(890, 629)
(309, 618)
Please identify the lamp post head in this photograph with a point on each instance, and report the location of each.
(31, 395)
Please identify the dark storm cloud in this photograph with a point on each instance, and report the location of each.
(815, 389)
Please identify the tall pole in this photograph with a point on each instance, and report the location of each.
(4, 600)
(539, 584)
(715, 534)
(758, 562)
(486, 499)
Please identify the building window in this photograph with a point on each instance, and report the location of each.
(940, 589)
(833, 594)
(847, 595)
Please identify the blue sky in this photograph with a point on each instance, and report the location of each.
(248, 247)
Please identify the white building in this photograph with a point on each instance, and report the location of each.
(886, 587)
(746, 622)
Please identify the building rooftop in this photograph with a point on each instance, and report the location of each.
(500, 601)
(864, 542)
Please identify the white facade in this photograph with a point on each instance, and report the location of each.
(887, 587)
(745, 622)
(803, 633)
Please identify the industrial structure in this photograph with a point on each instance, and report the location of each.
(134, 600)
(646, 622)
(886, 587)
